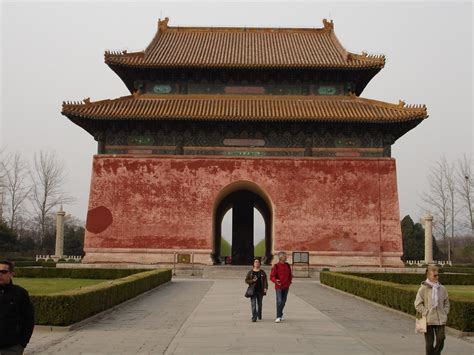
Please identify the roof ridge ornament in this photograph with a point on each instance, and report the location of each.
(328, 25)
(401, 103)
(87, 101)
(163, 24)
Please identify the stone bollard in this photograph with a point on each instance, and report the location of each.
(59, 251)
(428, 238)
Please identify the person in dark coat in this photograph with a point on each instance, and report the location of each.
(16, 313)
(258, 278)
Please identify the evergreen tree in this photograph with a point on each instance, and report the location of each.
(259, 249)
(226, 248)
(73, 240)
(413, 238)
(8, 238)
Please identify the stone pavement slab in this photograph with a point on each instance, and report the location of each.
(387, 331)
(144, 326)
(221, 324)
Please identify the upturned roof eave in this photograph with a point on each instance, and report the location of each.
(226, 66)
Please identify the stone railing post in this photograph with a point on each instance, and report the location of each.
(59, 251)
(428, 238)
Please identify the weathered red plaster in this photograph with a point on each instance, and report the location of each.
(339, 205)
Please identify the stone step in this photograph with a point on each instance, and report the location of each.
(229, 271)
(239, 271)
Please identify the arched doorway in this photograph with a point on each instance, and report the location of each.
(242, 199)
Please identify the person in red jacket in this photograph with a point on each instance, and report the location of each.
(281, 277)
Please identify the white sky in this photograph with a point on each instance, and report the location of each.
(52, 52)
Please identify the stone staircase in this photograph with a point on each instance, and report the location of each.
(229, 271)
(237, 271)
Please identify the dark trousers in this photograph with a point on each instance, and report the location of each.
(281, 295)
(256, 303)
(431, 332)
(12, 350)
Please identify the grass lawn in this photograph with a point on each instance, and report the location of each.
(39, 286)
(454, 291)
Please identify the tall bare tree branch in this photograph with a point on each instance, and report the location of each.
(48, 177)
(465, 184)
(15, 184)
(437, 199)
(449, 171)
(2, 182)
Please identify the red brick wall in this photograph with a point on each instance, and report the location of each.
(332, 204)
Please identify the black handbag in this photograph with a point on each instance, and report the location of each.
(250, 291)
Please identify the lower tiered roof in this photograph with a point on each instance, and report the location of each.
(244, 108)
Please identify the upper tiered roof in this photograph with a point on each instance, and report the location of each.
(245, 48)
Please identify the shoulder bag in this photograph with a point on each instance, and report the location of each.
(420, 324)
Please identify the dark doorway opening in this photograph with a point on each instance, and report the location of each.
(242, 202)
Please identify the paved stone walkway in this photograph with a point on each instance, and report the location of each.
(388, 332)
(144, 326)
(212, 317)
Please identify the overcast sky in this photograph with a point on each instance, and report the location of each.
(52, 52)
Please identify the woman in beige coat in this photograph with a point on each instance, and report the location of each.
(432, 302)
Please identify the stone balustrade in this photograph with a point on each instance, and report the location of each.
(76, 258)
(423, 262)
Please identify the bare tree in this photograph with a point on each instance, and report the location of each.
(437, 199)
(465, 187)
(449, 172)
(2, 182)
(48, 176)
(15, 184)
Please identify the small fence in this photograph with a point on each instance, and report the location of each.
(179, 258)
(302, 259)
(76, 258)
(422, 262)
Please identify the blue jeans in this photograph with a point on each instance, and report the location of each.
(281, 295)
(256, 304)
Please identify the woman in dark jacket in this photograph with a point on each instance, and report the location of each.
(258, 279)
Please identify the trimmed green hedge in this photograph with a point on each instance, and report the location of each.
(457, 270)
(26, 263)
(68, 307)
(461, 265)
(34, 263)
(17, 258)
(415, 279)
(86, 273)
(461, 315)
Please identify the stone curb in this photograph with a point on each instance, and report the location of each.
(75, 326)
(449, 330)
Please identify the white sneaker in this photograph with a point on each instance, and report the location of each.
(282, 319)
(278, 320)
